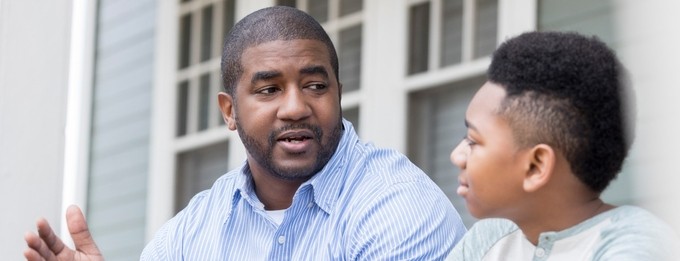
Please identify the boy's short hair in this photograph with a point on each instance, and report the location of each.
(567, 91)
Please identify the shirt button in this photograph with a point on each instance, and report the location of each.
(540, 252)
(282, 240)
(310, 205)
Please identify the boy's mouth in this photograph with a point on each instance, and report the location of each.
(462, 187)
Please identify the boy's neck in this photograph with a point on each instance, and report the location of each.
(559, 217)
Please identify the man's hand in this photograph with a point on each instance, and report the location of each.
(48, 246)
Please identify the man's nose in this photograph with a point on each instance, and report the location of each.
(294, 105)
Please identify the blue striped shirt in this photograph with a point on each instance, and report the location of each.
(365, 204)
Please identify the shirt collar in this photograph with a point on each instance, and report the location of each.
(325, 185)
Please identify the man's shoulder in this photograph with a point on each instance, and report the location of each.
(387, 164)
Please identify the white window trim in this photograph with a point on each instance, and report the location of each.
(78, 111)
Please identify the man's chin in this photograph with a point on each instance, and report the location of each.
(295, 173)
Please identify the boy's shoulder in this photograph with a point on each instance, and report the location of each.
(634, 232)
(623, 233)
(483, 235)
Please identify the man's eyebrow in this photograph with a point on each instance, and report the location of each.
(315, 69)
(264, 75)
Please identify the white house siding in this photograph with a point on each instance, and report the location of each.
(34, 57)
(120, 130)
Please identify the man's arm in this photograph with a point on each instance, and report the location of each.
(46, 245)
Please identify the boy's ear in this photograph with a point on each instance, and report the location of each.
(541, 160)
(226, 103)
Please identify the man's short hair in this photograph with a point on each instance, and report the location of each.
(567, 91)
(266, 25)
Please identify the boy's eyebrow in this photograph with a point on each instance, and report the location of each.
(315, 69)
(470, 125)
(264, 75)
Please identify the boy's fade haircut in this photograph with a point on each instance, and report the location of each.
(266, 25)
(570, 92)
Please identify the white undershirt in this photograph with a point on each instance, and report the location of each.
(276, 215)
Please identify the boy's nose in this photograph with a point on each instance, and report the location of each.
(459, 155)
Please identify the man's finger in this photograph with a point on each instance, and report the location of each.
(31, 255)
(37, 249)
(80, 233)
(51, 240)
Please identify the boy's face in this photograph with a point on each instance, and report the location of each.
(492, 166)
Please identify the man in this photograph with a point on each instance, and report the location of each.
(546, 134)
(310, 190)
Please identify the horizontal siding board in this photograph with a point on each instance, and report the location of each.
(116, 11)
(133, 55)
(119, 112)
(121, 116)
(123, 83)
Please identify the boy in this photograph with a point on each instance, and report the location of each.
(546, 134)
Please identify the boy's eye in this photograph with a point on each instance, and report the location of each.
(469, 141)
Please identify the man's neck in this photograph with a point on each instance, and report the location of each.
(275, 193)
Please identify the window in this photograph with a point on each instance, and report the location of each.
(201, 149)
(202, 28)
(198, 169)
(437, 126)
(450, 32)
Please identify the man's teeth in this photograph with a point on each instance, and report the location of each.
(295, 140)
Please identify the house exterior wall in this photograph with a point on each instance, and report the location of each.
(34, 57)
(120, 126)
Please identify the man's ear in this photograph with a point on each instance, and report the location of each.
(226, 103)
(541, 160)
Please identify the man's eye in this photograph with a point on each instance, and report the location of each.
(317, 86)
(267, 90)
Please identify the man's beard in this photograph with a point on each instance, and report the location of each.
(262, 152)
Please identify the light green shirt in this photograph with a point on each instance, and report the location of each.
(623, 233)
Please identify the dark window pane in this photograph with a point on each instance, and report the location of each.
(352, 115)
(452, 32)
(228, 17)
(206, 32)
(436, 126)
(486, 27)
(290, 3)
(319, 10)
(184, 41)
(350, 6)
(198, 169)
(204, 102)
(350, 58)
(182, 107)
(419, 38)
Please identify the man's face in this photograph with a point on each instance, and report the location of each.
(287, 108)
(491, 165)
